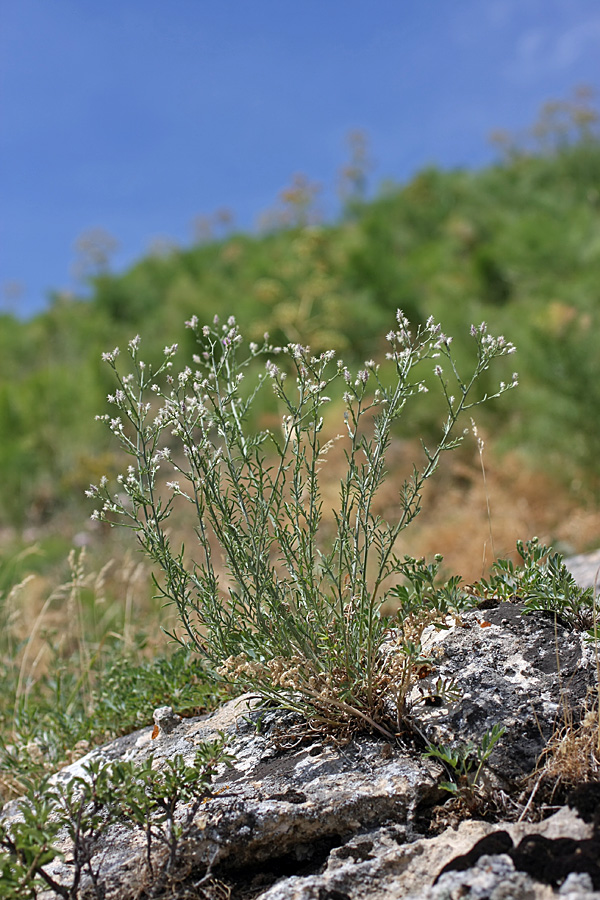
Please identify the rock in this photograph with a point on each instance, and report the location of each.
(165, 720)
(275, 809)
(382, 865)
(585, 568)
(505, 663)
(306, 818)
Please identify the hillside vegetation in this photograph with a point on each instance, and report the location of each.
(85, 649)
(516, 244)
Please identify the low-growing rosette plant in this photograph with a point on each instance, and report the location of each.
(278, 596)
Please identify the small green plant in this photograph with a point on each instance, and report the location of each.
(159, 793)
(292, 608)
(543, 583)
(27, 847)
(464, 761)
(54, 724)
(136, 796)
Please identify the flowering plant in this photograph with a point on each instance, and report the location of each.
(290, 607)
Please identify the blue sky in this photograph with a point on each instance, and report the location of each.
(137, 116)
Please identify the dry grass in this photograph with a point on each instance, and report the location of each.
(572, 754)
(523, 503)
(73, 618)
(454, 520)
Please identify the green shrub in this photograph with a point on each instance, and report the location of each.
(86, 806)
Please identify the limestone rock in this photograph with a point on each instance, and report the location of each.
(381, 867)
(298, 819)
(514, 669)
(165, 720)
(290, 806)
(585, 568)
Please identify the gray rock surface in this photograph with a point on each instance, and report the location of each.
(310, 819)
(382, 867)
(585, 568)
(514, 669)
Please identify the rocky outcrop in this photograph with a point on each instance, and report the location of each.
(300, 816)
(475, 860)
(514, 669)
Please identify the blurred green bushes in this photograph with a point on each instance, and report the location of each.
(516, 244)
